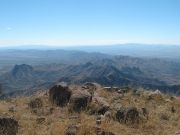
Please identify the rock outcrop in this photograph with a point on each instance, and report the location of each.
(60, 94)
(80, 100)
(90, 87)
(8, 126)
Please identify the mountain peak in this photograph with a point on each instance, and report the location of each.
(23, 68)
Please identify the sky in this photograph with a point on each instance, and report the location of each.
(89, 22)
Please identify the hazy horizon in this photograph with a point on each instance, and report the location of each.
(34, 46)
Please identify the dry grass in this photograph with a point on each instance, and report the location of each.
(161, 119)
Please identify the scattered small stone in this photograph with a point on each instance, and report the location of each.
(120, 91)
(155, 95)
(128, 115)
(98, 122)
(137, 93)
(100, 131)
(100, 106)
(40, 120)
(172, 98)
(36, 103)
(72, 130)
(51, 110)
(164, 116)
(74, 117)
(173, 109)
(144, 110)
(12, 109)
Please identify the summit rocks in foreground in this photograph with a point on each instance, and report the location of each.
(92, 111)
(60, 94)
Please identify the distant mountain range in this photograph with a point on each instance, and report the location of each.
(12, 57)
(130, 49)
(134, 50)
(41, 69)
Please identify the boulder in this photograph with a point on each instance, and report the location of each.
(42, 111)
(99, 105)
(8, 126)
(108, 115)
(128, 115)
(173, 110)
(145, 112)
(123, 90)
(155, 95)
(35, 103)
(12, 109)
(100, 131)
(116, 106)
(90, 87)
(72, 130)
(80, 100)
(137, 92)
(40, 120)
(60, 94)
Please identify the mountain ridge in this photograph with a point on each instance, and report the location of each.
(78, 67)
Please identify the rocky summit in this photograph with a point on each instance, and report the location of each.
(91, 109)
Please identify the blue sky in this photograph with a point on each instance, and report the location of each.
(88, 22)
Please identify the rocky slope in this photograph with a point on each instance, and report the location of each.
(91, 109)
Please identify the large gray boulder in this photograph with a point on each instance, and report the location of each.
(8, 126)
(80, 100)
(60, 94)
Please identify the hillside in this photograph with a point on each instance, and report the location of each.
(110, 111)
(108, 71)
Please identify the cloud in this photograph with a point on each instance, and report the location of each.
(9, 28)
